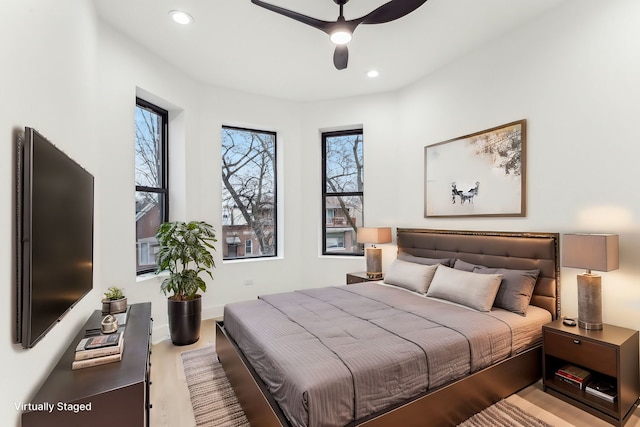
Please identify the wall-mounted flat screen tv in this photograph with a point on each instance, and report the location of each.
(55, 236)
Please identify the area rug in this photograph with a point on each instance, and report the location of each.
(212, 398)
(514, 412)
(214, 403)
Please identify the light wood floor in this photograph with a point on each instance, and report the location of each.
(172, 407)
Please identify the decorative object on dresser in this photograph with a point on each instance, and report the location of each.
(109, 324)
(493, 160)
(596, 359)
(101, 396)
(373, 254)
(185, 252)
(114, 301)
(592, 252)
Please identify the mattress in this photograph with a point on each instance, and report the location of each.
(332, 355)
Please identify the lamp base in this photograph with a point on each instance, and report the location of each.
(374, 263)
(590, 301)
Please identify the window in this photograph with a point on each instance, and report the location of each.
(342, 192)
(152, 200)
(248, 193)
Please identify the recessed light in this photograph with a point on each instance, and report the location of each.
(373, 74)
(181, 17)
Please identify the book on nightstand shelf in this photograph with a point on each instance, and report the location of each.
(602, 389)
(574, 376)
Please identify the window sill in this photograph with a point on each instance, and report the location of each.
(257, 259)
(148, 276)
(339, 256)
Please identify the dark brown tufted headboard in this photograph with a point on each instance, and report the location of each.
(522, 251)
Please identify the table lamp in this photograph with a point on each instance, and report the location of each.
(373, 254)
(591, 252)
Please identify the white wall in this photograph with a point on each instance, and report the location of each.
(80, 92)
(195, 187)
(48, 82)
(572, 75)
(378, 116)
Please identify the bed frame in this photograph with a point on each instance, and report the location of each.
(452, 403)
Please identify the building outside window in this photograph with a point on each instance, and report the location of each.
(151, 176)
(342, 192)
(249, 202)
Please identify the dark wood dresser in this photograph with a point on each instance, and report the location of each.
(115, 394)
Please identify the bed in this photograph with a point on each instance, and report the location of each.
(374, 354)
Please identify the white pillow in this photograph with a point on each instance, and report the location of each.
(409, 275)
(477, 291)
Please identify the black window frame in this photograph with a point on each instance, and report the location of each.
(326, 194)
(164, 164)
(275, 197)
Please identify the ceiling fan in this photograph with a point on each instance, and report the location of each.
(341, 30)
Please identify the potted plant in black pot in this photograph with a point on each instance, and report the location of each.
(184, 252)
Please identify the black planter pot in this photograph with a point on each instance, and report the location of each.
(184, 320)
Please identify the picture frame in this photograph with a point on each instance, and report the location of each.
(481, 174)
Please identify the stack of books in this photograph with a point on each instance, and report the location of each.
(602, 389)
(573, 376)
(99, 350)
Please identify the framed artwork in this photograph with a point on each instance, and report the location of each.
(482, 174)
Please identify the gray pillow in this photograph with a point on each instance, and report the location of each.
(516, 288)
(410, 275)
(466, 266)
(477, 291)
(426, 261)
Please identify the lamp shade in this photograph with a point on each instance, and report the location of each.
(591, 251)
(374, 235)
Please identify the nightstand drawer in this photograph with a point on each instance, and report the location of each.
(581, 351)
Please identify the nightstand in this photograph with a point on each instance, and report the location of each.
(359, 277)
(610, 354)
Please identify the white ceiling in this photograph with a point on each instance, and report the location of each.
(236, 44)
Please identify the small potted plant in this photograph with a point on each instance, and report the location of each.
(114, 301)
(185, 253)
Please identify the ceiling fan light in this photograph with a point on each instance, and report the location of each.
(181, 17)
(341, 37)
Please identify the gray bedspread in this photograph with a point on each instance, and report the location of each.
(333, 355)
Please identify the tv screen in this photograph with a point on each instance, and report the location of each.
(55, 236)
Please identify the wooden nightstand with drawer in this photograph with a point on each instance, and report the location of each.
(359, 277)
(610, 355)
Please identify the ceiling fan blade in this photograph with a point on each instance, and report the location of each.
(316, 23)
(341, 57)
(391, 11)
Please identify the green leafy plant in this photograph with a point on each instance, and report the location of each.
(114, 293)
(184, 252)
